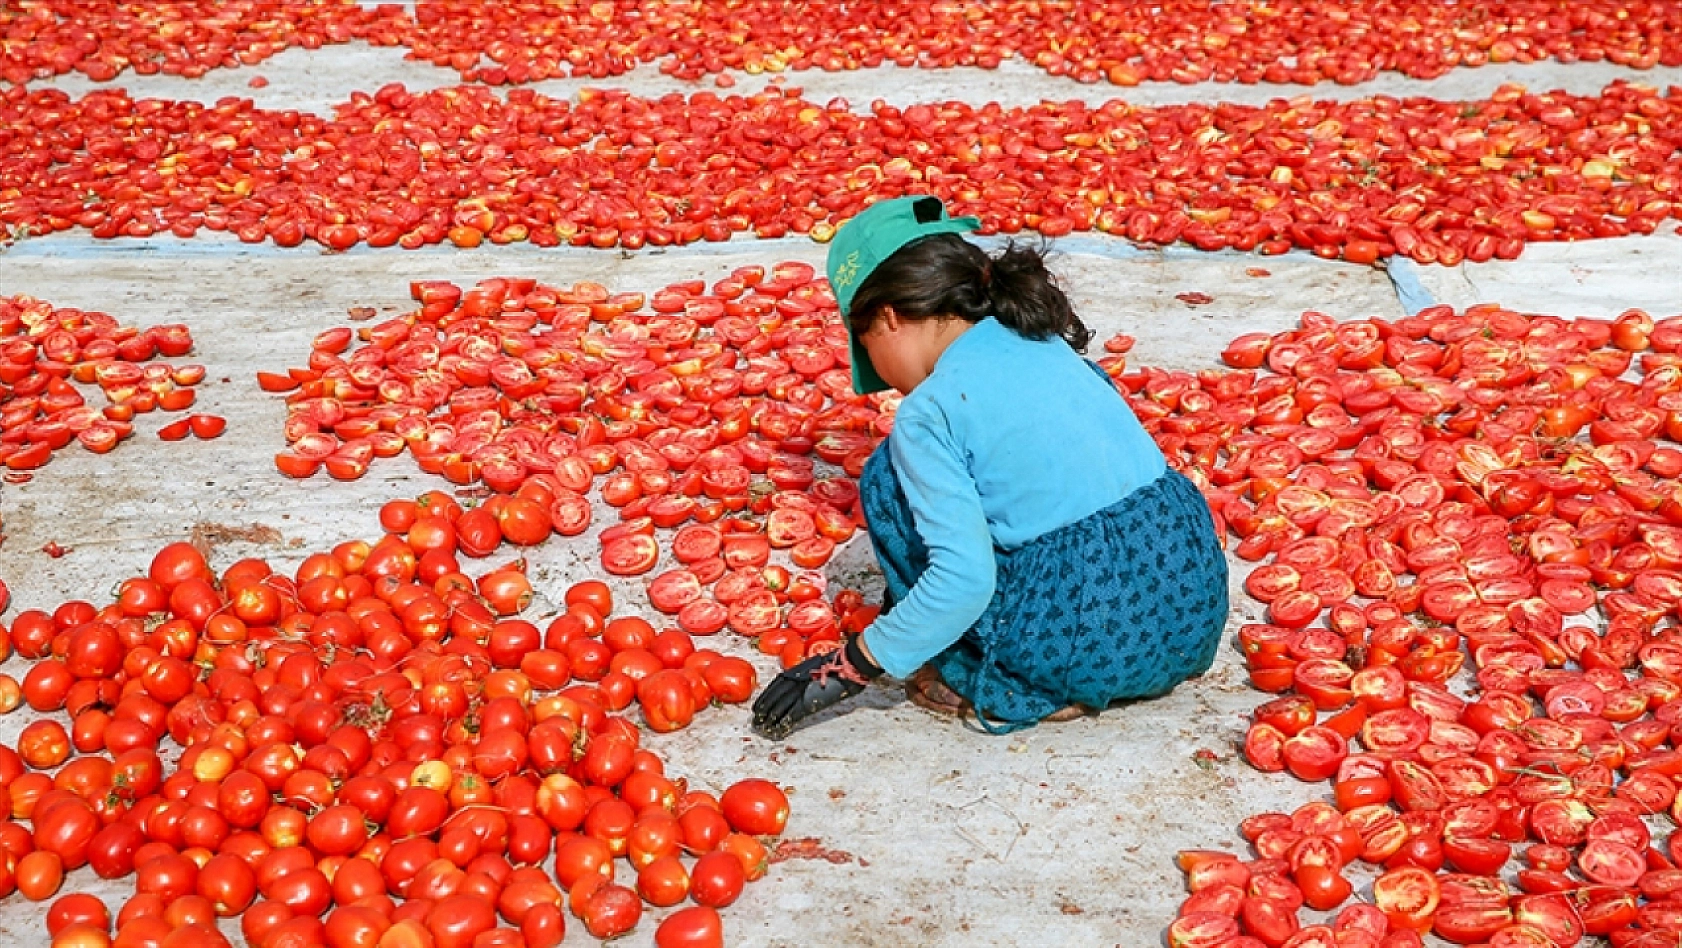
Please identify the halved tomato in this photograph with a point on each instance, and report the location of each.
(630, 555)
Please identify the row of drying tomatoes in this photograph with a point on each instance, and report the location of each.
(1434, 181)
(1089, 41)
(377, 751)
(700, 418)
(44, 38)
(45, 350)
(1481, 495)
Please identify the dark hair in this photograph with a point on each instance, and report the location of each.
(946, 275)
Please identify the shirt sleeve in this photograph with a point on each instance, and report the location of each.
(958, 584)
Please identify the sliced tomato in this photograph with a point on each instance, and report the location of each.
(630, 555)
(1612, 863)
(293, 464)
(672, 590)
(1408, 897)
(812, 553)
(1264, 748)
(1289, 714)
(703, 617)
(276, 382)
(1315, 753)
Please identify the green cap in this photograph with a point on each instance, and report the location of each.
(861, 245)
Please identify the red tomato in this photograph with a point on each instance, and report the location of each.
(1315, 753)
(1289, 714)
(44, 744)
(663, 881)
(207, 426)
(695, 543)
(1325, 681)
(1323, 887)
(716, 879)
(456, 920)
(337, 830)
(1476, 856)
(1611, 863)
(580, 856)
(695, 927)
(671, 591)
(592, 593)
(630, 555)
(667, 702)
(1472, 922)
(523, 522)
(749, 851)
(732, 680)
(77, 909)
(1270, 920)
(1408, 897)
(755, 807)
(703, 617)
(228, 882)
(610, 910)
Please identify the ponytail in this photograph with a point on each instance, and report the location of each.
(1026, 298)
(945, 275)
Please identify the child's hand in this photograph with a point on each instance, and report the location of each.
(809, 687)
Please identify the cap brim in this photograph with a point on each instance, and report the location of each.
(866, 380)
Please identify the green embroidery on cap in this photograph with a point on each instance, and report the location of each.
(848, 269)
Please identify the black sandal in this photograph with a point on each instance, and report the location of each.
(927, 690)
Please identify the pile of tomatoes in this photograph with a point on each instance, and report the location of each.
(1483, 495)
(376, 749)
(702, 419)
(1439, 182)
(1087, 40)
(44, 350)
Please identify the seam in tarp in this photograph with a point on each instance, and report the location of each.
(1404, 276)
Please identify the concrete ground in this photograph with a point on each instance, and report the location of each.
(1058, 836)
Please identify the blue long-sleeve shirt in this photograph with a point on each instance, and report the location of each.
(1007, 440)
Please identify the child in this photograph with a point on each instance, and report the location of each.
(1042, 560)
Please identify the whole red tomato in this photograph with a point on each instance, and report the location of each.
(177, 563)
(663, 881)
(716, 879)
(457, 920)
(755, 807)
(579, 856)
(544, 926)
(668, 703)
(229, 883)
(610, 910)
(337, 830)
(67, 830)
(78, 908)
(695, 927)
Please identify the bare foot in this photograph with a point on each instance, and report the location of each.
(1073, 712)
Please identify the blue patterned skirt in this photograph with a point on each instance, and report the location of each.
(1126, 603)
